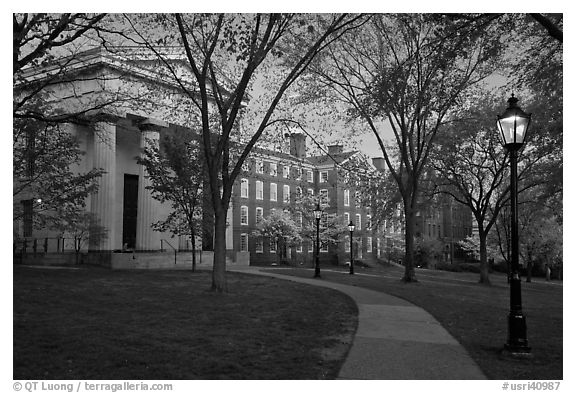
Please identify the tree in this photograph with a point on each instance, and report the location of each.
(408, 71)
(279, 227)
(540, 231)
(47, 50)
(223, 54)
(473, 168)
(428, 250)
(375, 188)
(40, 40)
(81, 225)
(332, 227)
(45, 159)
(175, 170)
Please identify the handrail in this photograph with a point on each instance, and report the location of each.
(41, 244)
(171, 246)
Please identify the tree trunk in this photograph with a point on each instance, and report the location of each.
(484, 268)
(409, 274)
(219, 269)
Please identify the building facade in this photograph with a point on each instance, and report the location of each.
(113, 138)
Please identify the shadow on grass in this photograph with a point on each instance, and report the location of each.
(101, 324)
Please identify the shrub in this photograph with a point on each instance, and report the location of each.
(449, 267)
(470, 267)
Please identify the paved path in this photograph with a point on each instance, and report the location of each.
(395, 339)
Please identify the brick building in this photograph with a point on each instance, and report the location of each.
(275, 180)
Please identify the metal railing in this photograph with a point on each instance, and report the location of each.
(46, 245)
(162, 241)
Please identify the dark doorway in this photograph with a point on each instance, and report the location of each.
(130, 211)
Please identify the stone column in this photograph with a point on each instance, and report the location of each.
(102, 202)
(146, 238)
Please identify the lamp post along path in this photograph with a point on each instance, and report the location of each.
(317, 216)
(351, 229)
(512, 126)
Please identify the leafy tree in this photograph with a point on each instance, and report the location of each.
(332, 227)
(473, 168)
(46, 49)
(223, 54)
(374, 188)
(45, 167)
(279, 226)
(46, 40)
(408, 71)
(81, 226)
(176, 172)
(428, 250)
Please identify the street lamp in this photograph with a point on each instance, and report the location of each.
(351, 229)
(317, 216)
(512, 125)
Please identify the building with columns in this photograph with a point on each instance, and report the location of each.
(124, 104)
(120, 104)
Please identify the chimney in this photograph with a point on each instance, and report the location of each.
(298, 145)
(335, 149)
(379, 163)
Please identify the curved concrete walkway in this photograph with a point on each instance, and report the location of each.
(395, 339)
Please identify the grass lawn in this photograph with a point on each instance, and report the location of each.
(94, 323)
(476, 315)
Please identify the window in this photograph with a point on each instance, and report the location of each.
(347, 244)
(324, 221)
(298, 172)
(368, 221)
(259, 166)
(243, 242)
(324, 196)
(259, 190)
(323, 246)
(310, 191)
(272, 245)
(299, 219)
(357, 198)
(273, 192)
(285, 171)
(259, 214)
(244, 215)
(273, 169)
(369, 244)
(310, 176)
(286, 194)
(346, 218)
(378, 246)
(259, 245)
(324, 177)
(244, 188)
(346, 197)
(299, 246)
(358, 222)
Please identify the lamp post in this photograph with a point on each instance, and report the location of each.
(351, 229)
(512, 125)
(317, 216)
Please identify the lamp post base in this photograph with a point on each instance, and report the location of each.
(516, 352)
(517, 344)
